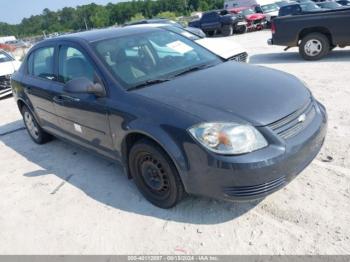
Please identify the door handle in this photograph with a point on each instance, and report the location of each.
(63, 98)
(58, 99)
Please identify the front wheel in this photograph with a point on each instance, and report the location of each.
(155, 174)
(37, 134)
(227, 30)
(314, 46)
(242, 29)
(210, 33)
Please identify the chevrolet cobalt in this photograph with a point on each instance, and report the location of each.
(180, 119)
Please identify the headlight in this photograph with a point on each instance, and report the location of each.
(228, 138)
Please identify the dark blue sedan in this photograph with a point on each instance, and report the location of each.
(180, 119)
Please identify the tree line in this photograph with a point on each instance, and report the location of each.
(90, 16)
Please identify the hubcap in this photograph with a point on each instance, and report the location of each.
(313, 47)
(154, 174)
(31, 125)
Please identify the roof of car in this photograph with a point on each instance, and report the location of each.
(101, 34)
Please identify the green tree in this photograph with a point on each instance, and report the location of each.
(167, 15)
(137, 17)
(96, 16)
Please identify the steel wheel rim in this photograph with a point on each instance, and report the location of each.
(313, 47)
(154, 175)
(31, 125)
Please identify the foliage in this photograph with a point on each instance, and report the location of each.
(96, 16)
(137, 17)
(167, 15)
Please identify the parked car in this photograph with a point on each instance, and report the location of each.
(176, 120)
(226, 49)
(309, 6)
(194, 30)
(344, 2)
(270, 10)
(255, 21)
(330, 5)
(7, 48)
(220, 21)
(284, 3)
(18, 43)
(314, 34)
(8, 65)
(297, 9)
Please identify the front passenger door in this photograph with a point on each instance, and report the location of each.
(83, 118)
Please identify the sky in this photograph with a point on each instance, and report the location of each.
(13, 11)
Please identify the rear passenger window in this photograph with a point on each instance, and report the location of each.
(41, 63)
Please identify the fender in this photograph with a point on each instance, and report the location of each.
(162, 137)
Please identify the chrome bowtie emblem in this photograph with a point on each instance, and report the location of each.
(302, 118)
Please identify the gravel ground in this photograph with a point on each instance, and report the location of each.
(58, 199)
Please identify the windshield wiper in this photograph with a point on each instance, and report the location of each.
(193, 69)
(148, 83)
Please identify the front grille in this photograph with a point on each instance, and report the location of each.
(249, 191)
(294, 123)
(242, 57)
(5, 82)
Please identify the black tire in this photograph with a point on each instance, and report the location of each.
(227, 30)
(321, 46)
(37, 134)
(210, 33)
(155, 174)
(242, 29)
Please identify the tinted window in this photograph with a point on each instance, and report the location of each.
(139, 58)
(5, 57)
(73, 64)
(290, 10)
(41, 63)
(210, 16)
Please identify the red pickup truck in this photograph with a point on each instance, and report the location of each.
(255, 21)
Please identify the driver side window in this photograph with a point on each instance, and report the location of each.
(74, 64)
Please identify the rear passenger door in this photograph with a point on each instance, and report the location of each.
(38, 85)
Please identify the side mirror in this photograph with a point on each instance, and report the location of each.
(83, 85)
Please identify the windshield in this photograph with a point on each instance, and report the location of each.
(247, 12)
(269, 8)
(146, 57)
(5, 57)
(183, 32)
(309, 7)
(330, 5)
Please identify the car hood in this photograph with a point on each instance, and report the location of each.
(232, 91)
(254, 17)
(221, 47)
(8, 68)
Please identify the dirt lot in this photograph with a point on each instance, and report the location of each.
(59, 199)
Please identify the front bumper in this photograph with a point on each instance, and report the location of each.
(260, 173)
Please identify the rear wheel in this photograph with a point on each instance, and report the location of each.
(227, 30)
(210, 33)
(314, 46)
(37, 134)
(155, 174)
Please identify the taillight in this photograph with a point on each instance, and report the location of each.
(273, 27)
